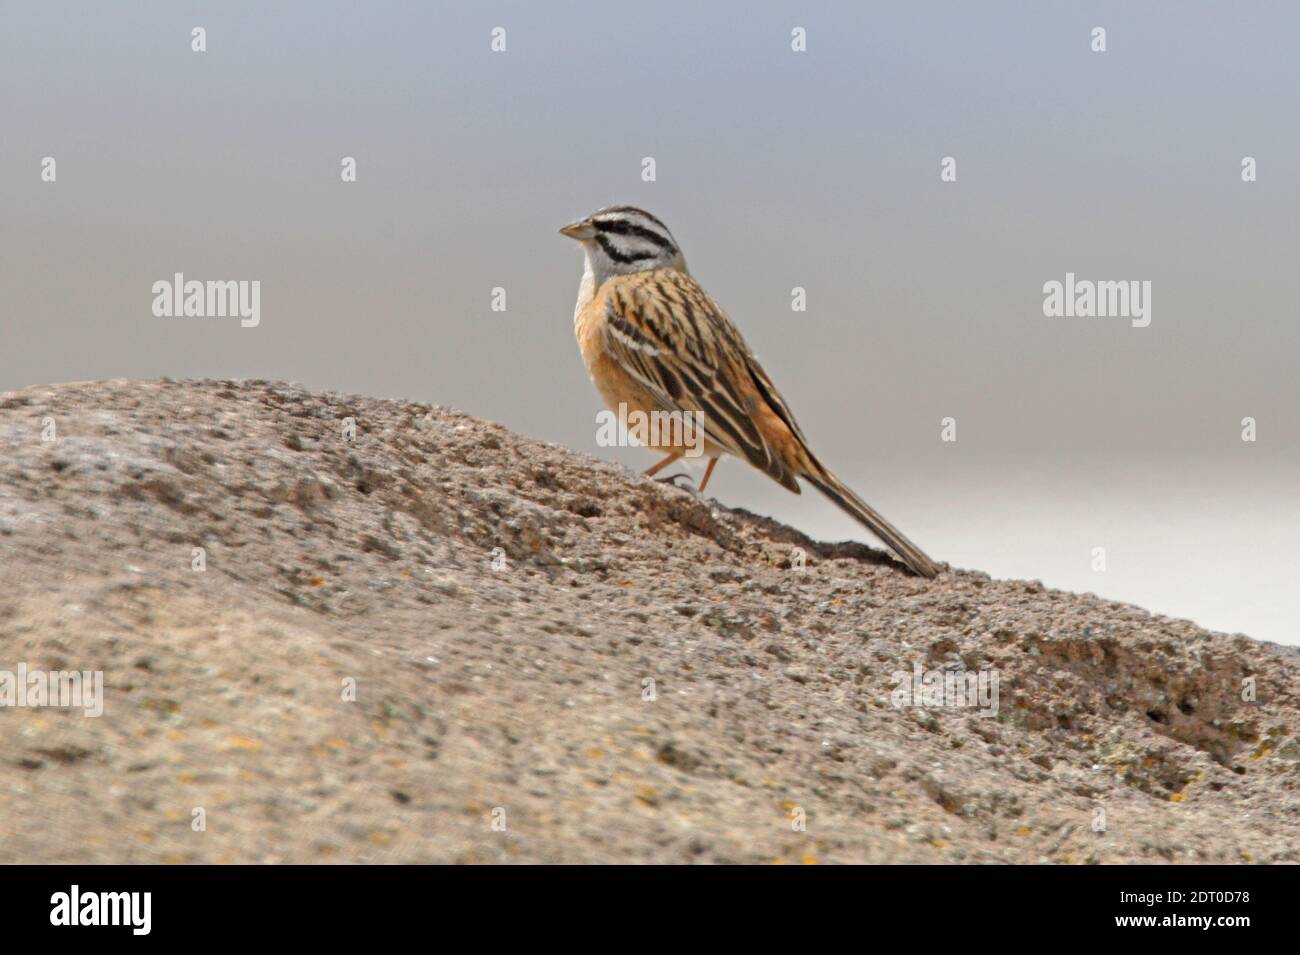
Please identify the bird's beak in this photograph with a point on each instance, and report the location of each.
(578, 230)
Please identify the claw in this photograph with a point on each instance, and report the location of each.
(672, 479)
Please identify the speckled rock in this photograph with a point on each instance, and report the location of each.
(432, 640)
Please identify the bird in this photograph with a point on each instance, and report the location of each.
(654, 340)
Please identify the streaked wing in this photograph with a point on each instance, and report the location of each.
(665, 331)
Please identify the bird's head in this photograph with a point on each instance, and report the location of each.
(620, 240)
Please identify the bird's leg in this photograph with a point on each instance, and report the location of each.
(708, 473)
(652, 471)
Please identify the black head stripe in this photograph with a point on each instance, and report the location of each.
(633, 210)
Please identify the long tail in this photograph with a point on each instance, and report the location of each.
(851, 504)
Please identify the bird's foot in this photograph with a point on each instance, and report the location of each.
(689, 487)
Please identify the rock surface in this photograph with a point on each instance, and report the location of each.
(555, 660)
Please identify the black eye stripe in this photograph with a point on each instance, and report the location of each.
(623, 227)
(619, 256)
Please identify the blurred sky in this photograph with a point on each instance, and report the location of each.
(774, 169)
